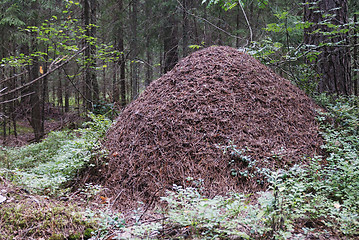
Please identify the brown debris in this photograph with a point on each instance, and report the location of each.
(215, 96)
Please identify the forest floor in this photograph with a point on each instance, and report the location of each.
(83, 215)
(80, 215)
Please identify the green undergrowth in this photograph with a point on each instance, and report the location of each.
(46, 166)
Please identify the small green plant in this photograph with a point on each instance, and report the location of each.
(106, 109)
(328, 189)
(192, 214)
(242, 165)
(108, 221)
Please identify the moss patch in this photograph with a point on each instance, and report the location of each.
(25, 216)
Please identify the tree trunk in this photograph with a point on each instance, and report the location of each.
(134, 68)
(91, 84)
(13, 104)
(149, 67)
(121, 63)
(94, 83)
(67, 96)
(185, 27)
(333, 63)
(170, 41)
(36, 118)
(60, 92)
(104, 83)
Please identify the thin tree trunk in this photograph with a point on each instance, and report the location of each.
(91, 85)
(115, 88)
(60, 92)
(94, 83)
(170, 41)
(67, 96)
(36, 118)
(3, 114)
(121, 62)
(13, 104)
(44, 94)
(4, 120)
(185, 27)
(149, 68)
(134, 49)
(104, 83)
(35, 89)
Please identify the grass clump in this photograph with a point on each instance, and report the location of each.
(46, 166)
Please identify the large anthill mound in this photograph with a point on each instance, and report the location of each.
(179, 127)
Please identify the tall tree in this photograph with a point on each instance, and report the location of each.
(36, 119)
(122, 60)
(185, 26)
(170, 37)
(91, 84)
(333, 64)
(149, 58)
(134, 67)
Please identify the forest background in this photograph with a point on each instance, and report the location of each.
(61, 60)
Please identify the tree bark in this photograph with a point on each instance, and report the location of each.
(122, 74)
(94, 82)
(134, 68)
(67, 96)
(36, 118)
(185, 27)
(91, 84)
(149, 67)
(170, 41)
(333, 63)
(35, 88)
(119, 89)
(60, 92)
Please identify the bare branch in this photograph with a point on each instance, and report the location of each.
(245, 16)
(12, 77)
(15, 99)
(45, 74)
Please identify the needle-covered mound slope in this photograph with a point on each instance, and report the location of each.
(184, 121)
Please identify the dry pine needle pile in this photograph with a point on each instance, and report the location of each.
(180, 125)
